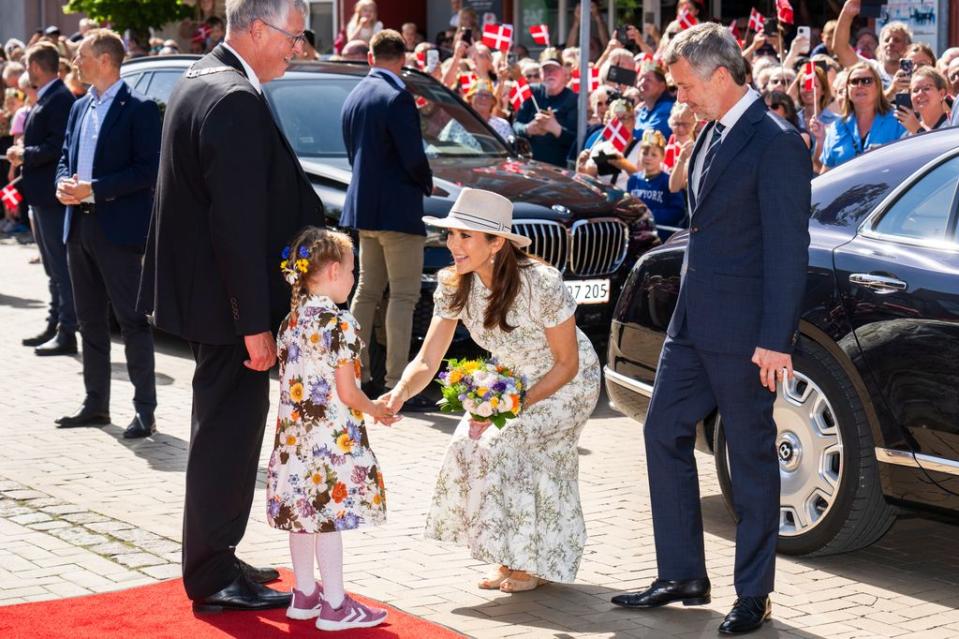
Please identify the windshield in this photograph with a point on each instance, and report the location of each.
(303, 108)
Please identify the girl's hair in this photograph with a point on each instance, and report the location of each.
(312, 250)
(882, 106)
(506, 283)
(359, 6)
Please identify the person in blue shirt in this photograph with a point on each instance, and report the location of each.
(867, 121)
(550, 129)
(657, 102)
(651, 185)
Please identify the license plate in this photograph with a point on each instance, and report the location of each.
(589, 291)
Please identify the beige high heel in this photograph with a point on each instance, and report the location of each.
(520, 584)
(495, 577)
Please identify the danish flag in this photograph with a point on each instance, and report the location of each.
(756, 20)
(687, 20)
(809, 77)
(784, 11)
(646, 58)
(467, 80)
(420, 101)
(11, 197)
(520, 93)
(540, 33)
(672, 153)
(421, 59)
(498, 36)
(617, 133)
(734, 29)
(593, 80)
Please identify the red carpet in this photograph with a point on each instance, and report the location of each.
(162, 611)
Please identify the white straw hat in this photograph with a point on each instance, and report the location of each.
(479, 210)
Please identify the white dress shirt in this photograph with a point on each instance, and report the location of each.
(728, 121)
(250, 74)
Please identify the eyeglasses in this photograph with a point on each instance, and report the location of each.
(685, 125)
(295, 38)
(860, 82)
(533, 76)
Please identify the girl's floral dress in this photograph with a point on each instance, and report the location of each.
(512, 496)
(322, 475)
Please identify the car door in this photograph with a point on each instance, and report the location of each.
(899, 280)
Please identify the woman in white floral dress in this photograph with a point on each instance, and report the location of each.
(510, 495)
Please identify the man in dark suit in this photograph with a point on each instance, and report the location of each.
(230, 194)
(105, 178)
(38, 156)
(384, 201)
(735, 320)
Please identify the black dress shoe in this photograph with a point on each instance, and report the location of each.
(84, 417)
(258, 575)
(692, 592)
(420, 404)
(243, 594)
(63, 343)
(748, 614)
(141, 426)
(372, 389)
(43, 337)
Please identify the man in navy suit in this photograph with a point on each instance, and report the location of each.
(106, 178)
(38, 156)
(730, 338)
(384, 202)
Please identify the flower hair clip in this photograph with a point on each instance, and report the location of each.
(293, 268)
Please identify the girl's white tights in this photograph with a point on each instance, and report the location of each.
(327, 548)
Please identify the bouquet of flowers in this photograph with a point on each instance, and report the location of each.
(487, 390)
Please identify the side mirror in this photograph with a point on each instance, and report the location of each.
(521, 147)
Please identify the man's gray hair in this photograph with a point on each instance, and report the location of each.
(706, 47)
(240, 14)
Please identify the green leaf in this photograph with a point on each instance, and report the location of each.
(136, 15)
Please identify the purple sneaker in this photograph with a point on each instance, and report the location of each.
(306, 606)
(351, 614)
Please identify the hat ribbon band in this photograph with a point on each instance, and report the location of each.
(482, 221)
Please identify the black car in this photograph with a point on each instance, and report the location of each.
(589, 231)
(871, 422)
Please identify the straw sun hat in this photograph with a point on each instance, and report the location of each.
(484, 211)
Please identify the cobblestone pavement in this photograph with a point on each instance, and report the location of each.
(85, 511)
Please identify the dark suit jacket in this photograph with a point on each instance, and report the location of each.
(42, 145)
(745, 269)
(124, 165)
(230, 195)
(381, 128)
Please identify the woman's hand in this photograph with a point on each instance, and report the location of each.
(817, 128)
(393, 400)
(686, 150)
(383, 413)
(907, 118)
(477, 428)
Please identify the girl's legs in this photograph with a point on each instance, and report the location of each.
(301, 551)
(329, 558)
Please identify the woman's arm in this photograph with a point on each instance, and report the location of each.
(420, 372)
(565, 349)
(353, 397)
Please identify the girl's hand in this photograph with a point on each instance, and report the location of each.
(477, 428)
(687, 149)
(383, 414)
(817, 129)
(393, 400)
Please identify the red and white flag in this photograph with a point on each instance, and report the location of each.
(520, 93)
(734, 29)
(420, 101)
(593, 80)
(756, 20)
(540, 33)
(686, 20)
(467, 80)
(421, 59)
(644, 59)
(617, 133)
(11, 197)
(809, 77)
(498, 36)
(784, 11)
(672, 153)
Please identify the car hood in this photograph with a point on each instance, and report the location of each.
(535, 188)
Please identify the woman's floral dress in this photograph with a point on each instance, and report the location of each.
(513, 496)
(322, 475)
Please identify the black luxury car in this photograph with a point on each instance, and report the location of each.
(870, 425)
(589, 231)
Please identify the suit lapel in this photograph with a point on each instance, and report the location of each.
(116, 107)
(691, 167)
(735, 140)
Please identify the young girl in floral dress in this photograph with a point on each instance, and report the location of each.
(323, 478)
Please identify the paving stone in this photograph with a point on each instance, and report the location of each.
(137, 559)
(30, 518)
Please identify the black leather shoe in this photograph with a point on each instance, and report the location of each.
(63, 343)
(748, 614)
(43, 337)
(373, 389)
(84, 417)
(692, 592)
(141, 426)
(243, 594)
(258, 575)
(420, 404)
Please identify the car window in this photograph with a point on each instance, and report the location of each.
(161, 86)
(923, 211)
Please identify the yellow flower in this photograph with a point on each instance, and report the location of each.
(302, 265)
(494, 402)
(314, 338)
(291, 440)
(471, 367)
(283, 265)
(296, 392)
(317, 479)
(377, 500)
(344, 443)
(481, 391)
(455, 377)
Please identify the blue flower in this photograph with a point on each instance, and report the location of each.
(293, 352)
(304, 252)
(285, 253)
(273, 508)
(320, 392)
(499, 387)
(354, 431)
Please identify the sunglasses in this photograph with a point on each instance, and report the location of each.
(860, 82)
(533, 76)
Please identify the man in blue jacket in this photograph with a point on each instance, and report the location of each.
(384, 202)
(550, 128)
(106, 178)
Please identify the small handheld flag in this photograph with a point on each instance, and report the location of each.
(540, 33)
(498, 37)
(617, 133)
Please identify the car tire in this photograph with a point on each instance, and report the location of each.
(838, 435)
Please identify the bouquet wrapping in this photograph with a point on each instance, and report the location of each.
(485, 389)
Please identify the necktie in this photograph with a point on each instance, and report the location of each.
(714, 141)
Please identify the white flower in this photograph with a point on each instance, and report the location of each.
(483, 410)
(469, 405)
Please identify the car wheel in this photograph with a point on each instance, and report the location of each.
(831, 498)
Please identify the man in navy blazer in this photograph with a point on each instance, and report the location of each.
(734, 327)
(106, 178)
(384, 201)
(38, 155)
